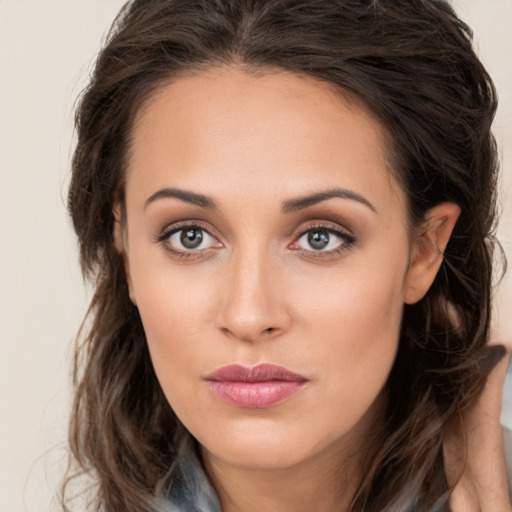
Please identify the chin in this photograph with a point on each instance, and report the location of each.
(266, 445)
(257, 456)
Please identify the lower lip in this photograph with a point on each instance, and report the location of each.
(255, 395)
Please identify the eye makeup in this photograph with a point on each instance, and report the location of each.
(194, 231)
(325, 240)
(319, 234)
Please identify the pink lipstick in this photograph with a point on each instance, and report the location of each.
(254, 387)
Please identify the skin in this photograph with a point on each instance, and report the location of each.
(256, 291)
(480, 479)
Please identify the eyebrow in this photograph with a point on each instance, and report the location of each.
(185, 195)
(293, 205)
(289, 206)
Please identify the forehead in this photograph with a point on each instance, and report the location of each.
(276, 132)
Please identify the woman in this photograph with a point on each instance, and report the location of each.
(287, 208)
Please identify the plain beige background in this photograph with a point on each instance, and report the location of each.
(46, 49)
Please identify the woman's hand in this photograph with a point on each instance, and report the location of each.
(478, 474)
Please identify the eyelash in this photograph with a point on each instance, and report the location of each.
(347, 240)
(176, 228)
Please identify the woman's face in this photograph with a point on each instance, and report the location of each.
(264, 228)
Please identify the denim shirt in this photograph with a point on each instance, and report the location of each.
(186, 487)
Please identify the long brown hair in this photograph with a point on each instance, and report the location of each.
(412, 63)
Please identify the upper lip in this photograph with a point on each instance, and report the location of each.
(259, 373)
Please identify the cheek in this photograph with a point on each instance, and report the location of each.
(167, 307)
(355, 327)
(360, 309)
(175, 308)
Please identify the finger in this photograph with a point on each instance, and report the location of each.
(474, 449)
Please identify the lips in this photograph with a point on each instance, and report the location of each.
(255, 387)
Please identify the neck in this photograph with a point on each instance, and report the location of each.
(322, 484)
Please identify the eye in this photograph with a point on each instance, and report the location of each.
(187, 239)
(325, 240)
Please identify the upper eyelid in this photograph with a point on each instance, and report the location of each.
(178, 226)
(344, 235)
(334, 227)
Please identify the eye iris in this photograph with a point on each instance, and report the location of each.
(318, 239)
(191, 238)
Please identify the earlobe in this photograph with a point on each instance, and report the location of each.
(428, 250)
(119, 244)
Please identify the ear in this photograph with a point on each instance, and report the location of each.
(120, 245)
(428, 249)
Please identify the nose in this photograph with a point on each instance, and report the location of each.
(252, 305)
